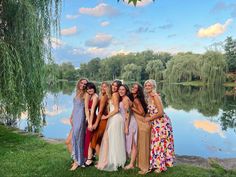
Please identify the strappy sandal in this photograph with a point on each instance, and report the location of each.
(89, 164)
(141, 172)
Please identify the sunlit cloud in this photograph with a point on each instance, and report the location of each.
(100, 10)
(142, 3)
(214, 30)
(105, 23)
(101, 40)
(69, 31)
(56, 43)
(208, 126)
(120, 52)
(56, 110)
(65, 121)
(72, 17)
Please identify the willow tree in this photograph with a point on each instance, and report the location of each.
(131, 72)
(213, 67)
(155, 69)
(182, 67)
(25, 48)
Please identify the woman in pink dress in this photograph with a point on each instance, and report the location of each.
(131, 127)
(162, 142)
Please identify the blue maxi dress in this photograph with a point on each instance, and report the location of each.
(78, 130)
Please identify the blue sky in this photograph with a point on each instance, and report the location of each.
(102, 28)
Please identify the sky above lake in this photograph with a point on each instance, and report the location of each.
(102, 28)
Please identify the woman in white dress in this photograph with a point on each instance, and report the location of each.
(112, 152)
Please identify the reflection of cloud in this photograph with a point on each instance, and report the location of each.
(65, 121)
(208, 126)
(24, 115)
(69, 31)
(105, 23)
(100, 10)
(56, 110)
(72, 17)
(214, 30)
(56, 42)
(100, 40)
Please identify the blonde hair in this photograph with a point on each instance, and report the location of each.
(78, 91)
(154, 86)
(106, 89)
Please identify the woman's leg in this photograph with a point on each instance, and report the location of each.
(68, 142)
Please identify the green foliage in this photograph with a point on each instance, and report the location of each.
(131, 72)
(26, 27)
(213, 68)
(230, 52)
(155, 69)
(182, 67)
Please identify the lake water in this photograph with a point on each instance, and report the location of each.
(203, 118)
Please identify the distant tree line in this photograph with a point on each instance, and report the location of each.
(212, 67)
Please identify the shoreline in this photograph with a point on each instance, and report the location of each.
(206, 163)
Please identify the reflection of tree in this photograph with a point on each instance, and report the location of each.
(64, 87)
(206, 100)
(228, 118)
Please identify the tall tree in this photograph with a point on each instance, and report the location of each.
(26, 26)
(213, 68)
(230, 52)
(155, 69)
(131, 72)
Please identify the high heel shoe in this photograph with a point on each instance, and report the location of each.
(87, 164)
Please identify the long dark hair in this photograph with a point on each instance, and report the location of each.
(128, 93)
(91, 85)
(140, 96)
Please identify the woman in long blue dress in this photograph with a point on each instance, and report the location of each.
(78, 125)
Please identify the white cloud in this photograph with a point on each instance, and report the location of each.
(214, 30)
(120, 52)
(56, 43)
(101, 40)
(105, 23)
(140, 3)
(72, 17)
(69, 31)
(100, 10)
(208, 126)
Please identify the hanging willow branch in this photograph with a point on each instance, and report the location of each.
(26, 26)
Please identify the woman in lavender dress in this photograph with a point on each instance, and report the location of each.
(131, 127)
(78, 125)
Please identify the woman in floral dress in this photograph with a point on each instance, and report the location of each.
(162, 142)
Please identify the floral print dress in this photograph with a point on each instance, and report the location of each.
(162, 141)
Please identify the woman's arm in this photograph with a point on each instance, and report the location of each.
(93, 109)
(138, 108)
(86, 101)
(102, 106)
(126, 103)
(115, 101)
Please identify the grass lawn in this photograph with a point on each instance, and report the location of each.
(25, 155)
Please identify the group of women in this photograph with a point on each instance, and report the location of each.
(119, 124)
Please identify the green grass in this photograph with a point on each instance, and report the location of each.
(30, 156)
